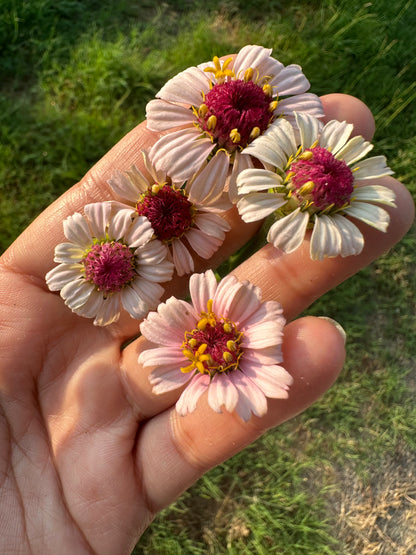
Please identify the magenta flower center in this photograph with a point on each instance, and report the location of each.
(109, 266)
(168, 210)
(321, 179)
(235, 112)
(213, 346)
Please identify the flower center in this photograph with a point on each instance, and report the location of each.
(109, 266)
(318, 178)
(168, 210)
(236, 112)
(213, 346)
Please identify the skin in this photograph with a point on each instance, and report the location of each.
(88, 455)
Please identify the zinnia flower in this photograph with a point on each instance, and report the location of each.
(315, 185)
(183, 217)
(226, 343)
(221, 109)
(109, 262)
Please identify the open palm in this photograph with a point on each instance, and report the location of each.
(88, 454)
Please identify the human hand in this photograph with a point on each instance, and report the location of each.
(88, 453)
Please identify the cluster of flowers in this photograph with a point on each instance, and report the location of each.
(242, 132)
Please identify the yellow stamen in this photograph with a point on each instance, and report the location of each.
(273, 106)
(231, 345)
(228, 357)
(220, 72)
(307, 155)
(202, 111)
(202, 324)
(267, 89)
(192, 342)
(156, 188)
(235, 135)
(307, 188)
(211, 122)
(248, 74)
(255, 132)
(227, 327)
(210, 302)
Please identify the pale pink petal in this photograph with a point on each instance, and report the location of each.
(148, 291)
(127, 188)
(171, 379)
(274, 381)
(186, 87)
(222, 392)
(161, 356)
(290, 80)
(252, 56)
(276, 145)
(77, 231)
(212, 224)
(162, 115)
(227, 289)
(182, 258)
(98, 214)
(76, 293)
(182, 153)
(62, 274)
(250, 398)
(375, 193)
(189, 398)
(267, 311)
(167, 326)
(288, 232)
(238, 302)
(242, 162)
(267, 356)
(208, 186)
(202, 244)
(262, 335)
(202, 288)
(121, 223)
(138, 232)
(306, 102)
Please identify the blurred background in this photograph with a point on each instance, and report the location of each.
(75, 76)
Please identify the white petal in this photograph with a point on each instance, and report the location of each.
(148, 291)
(181, 153)
(133, 303)
(352, 240)
(186, 87)
(139, 232)
(306, 102)
(256, 206)
(355, 149)
(335, 134)
(77, 231)
(288, 233)
(202, 244)
(63, 274)
(162, 115)
(291, 80)
(309, 128)
(208, 185)
(267, 311)
(109, 311)
(375, 193)
(98, 214)
(75, 293)
(120, 223)
(91, 307)
(325, 239)
(212, 224)
(221, 392)
(182, 258)
(370, 214)
(189, 398)
(275, 146)
(125, 187)
(370, 168)
(202, 288)
(254, 179)
(68, 253)
(241, 163)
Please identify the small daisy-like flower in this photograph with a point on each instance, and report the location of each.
(226, 343)
(109, 262)
(315, 185)
(183, 217)
(220, 108)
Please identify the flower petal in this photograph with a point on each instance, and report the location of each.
(186, 87)
(208, 186)
(129, 186)
(162, 115)
(109, 311)
(202, 244)
(291, 80)
(370, 168)
(76, 293)
(355, 149)
(68, 253)
(182, 258)
(162, 355)
(167, 326)
(222, 392)
(375, 193)
(250, 398)
(306, 102)
(309, 128)
(133, 303)
(98, 214)
(254, 179)
(335, 134)
(172, 378)
(77, 231)
(63, 274)
(274, 380)
(325, 239)
(202, 288)
(189, 398)
(212, 224)
(256, 206)
(288, 232)
(241, 162)
(352, 240)
(370, 214)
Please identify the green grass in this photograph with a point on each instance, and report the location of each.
(76, 76)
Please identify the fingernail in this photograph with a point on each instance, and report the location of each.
(337, 325)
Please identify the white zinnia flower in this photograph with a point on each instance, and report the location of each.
(183, 216)
(315, 185)
(225, 342)
(110, 262)
(222, 110)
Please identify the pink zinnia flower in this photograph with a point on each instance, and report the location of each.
(226, 343)
(222, 110)
(185, 217)
(109, 263)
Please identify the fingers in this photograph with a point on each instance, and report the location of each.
(174, 451)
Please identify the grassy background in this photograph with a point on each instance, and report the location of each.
(75, 77)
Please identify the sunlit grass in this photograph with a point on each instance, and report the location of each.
(76, 77)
